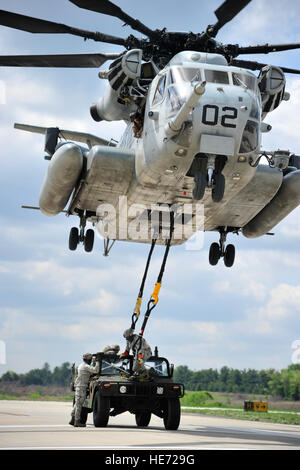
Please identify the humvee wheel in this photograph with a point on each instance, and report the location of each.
(143, 418)
(101, 408)
(172, 414)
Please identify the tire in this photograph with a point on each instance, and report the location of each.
(172, 414)
(219, 188)
(143, 418)
(214, 254)
(229, 256)
(73, 238)
(200, 183)
(101, 408)
(89, 240)
(84, 415)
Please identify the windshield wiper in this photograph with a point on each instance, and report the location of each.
(242, 83)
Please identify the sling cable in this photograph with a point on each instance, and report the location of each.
(154, 296)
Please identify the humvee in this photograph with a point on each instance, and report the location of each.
(116, 389)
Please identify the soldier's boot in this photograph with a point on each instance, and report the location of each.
(78, 424)
(72, 421)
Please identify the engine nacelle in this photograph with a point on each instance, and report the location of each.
(271, 82)
(128, 78)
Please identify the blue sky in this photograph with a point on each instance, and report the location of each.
(56, 304)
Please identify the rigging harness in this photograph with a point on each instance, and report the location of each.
(154, 296)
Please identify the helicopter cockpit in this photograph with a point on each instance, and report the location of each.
(176, 83)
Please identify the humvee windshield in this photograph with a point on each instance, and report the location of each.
(159, 365)
(111, 365)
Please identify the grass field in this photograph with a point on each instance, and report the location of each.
(204, 403)
(35, 396)
(221, 405)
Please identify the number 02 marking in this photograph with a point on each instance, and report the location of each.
(214, 116)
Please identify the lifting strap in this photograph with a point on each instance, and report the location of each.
(154, 297)
(137, 308)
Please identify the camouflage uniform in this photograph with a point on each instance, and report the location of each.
(114, 349)
(139, 346)
(85, 370)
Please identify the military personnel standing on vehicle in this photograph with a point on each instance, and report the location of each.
(140, 349)
(85, 370)
(114, 349)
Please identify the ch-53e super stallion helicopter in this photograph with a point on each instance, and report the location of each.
(195, 116)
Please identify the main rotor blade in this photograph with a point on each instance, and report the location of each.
(108, 8)
(62, 60)
(226, 12)
(267, 48)
(36, 25)
(251, 65)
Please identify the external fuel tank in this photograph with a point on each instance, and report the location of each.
(63, 172)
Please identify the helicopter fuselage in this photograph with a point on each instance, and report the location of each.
(200, 117)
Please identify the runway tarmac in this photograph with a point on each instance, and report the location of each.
(44, 425)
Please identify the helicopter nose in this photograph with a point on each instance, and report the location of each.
(221, 117)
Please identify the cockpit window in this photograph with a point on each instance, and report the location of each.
(217, 76)
(244, 80)
(177, 95)
(255, 110)
(175, 101)
(160, 90)
(184, 74)
(250, 137)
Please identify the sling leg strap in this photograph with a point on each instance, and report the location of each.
(154, 297)
(137, 308)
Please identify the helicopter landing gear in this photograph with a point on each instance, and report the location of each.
(215, 179)
(218, 250)
(73, 238)
(218, 187)
(76, 236)
(209, 174)
(200, 183)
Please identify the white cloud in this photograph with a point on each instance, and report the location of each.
(105, 302)
(260, 24)
(207, 316)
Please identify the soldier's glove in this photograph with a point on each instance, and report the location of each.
(124, 355)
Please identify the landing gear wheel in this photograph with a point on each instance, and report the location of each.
(172, 414)
(89, 240)
(214, 254)
(143, 419)
(200, 183)
(229, 256)
(73, 238)
(101, 409)
(219, 187)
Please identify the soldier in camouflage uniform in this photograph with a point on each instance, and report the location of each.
(140, 349)
(114, 349)
(85, 370)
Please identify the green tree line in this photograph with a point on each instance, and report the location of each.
(60, 375)
(284, 384)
